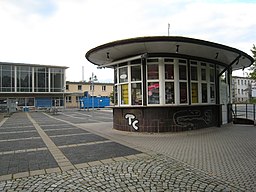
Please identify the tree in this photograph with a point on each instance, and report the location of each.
(252, 74)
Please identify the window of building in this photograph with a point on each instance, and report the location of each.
(152, 71)
(169, 71)
(212, 93)
(238, 82)
(183, 92)
(78, 98)
(169, 93)
(136, 73)
(123, 74)
(57, 79)
(68, 99)
(183, 81)
(136, 94)
(212, 74)
(194, 82)
(242, 82)
(103, 88)
(193, 73)
(238, 91)
(204, 93)
(124, 94)
(79, 87)
(67, 87)
(182, 72)
(7, 78)
(153, 93)
(41, 79)
(203, 74)
(26, 101)
(24, 79)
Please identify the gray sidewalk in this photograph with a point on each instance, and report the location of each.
(91, 156)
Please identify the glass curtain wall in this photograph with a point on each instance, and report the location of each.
(7, 78)
(41, 79)
(57, 79)
(24, 78)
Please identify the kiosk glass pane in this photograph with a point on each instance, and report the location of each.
(182, 72)
(212, 93)
(169, 93)
(183, 92)
(136, 94)
(169, 71)
(194, 92)
(124, 94)
(136, 73)
(204, 93)
(194, 73)
(203, 74)
(212, 74)
(123, 75)
(153, 93)
(152, 71)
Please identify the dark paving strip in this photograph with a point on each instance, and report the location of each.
(18, 135)
(12, 129)
(21, 144)
(64, 132)
(61, 126)
(96, 152)
(76, 139)
(22, 162)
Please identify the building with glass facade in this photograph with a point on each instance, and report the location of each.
(32, 86)
(170, 83)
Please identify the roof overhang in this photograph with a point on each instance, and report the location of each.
(110, 54)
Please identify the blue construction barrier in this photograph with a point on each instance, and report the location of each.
(94, 102)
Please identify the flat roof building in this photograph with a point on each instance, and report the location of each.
(32, 85)
(170, 83)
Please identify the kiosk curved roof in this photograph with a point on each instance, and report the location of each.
(107, 54)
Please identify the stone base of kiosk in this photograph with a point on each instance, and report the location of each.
(166, 118)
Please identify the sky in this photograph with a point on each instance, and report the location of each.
(60, 32)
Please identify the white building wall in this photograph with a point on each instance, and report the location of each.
(241, 89)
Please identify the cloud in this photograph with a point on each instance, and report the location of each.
(61, 32)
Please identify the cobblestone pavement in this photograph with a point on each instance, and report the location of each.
(54, 153)
(133, 173)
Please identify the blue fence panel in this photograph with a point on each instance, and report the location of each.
(43, 102)
(94, 102)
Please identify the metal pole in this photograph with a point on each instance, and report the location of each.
(246, 110)
(254, 112)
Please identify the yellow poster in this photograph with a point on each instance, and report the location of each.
(125, 95)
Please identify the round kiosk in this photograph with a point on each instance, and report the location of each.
(170, 83)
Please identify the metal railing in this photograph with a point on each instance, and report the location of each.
(246, 111)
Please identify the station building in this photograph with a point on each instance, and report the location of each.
(170, 83)
(31, 86)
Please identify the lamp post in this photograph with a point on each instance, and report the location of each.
(91, 80)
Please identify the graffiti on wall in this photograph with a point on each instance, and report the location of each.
(189, 118)
(132, 121)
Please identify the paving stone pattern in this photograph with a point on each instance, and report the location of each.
(150, 173)
(78, 151)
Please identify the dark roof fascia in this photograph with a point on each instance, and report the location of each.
(166, 39)
(32, 65)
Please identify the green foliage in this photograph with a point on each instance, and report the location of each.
(112, 97)
(252, 74)
(253, 100)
